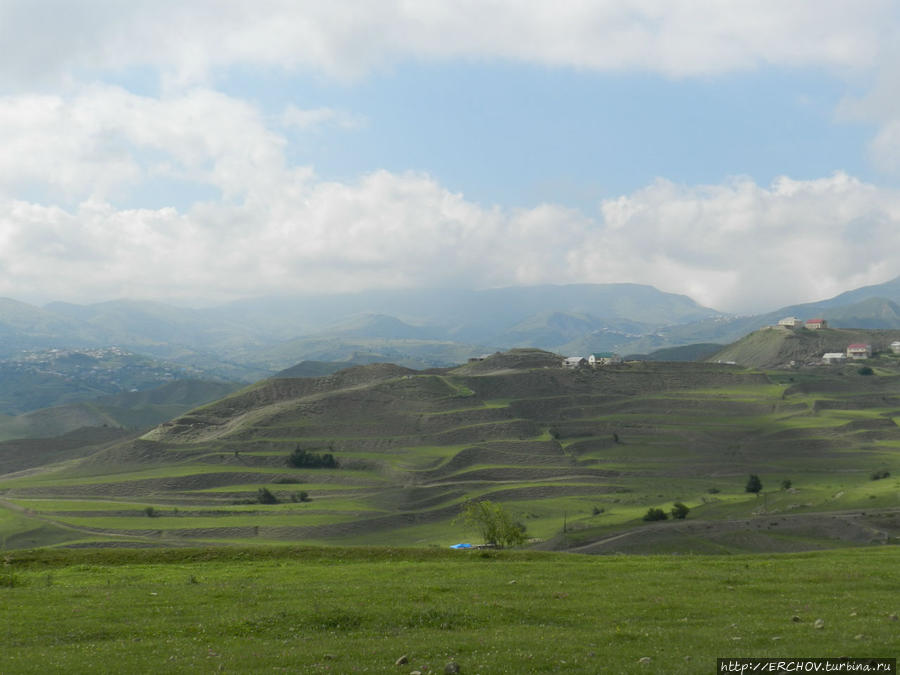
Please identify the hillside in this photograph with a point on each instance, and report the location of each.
(779, 347)
(578, 456)
(127, 410)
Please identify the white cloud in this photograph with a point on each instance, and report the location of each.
(104, 139)
(307, 119)
(186, 40)
(736, 246)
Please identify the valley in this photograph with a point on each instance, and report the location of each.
(576, 456)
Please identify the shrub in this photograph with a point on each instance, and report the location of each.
(865, 370)
(679, 511)
(786, 484)
(597, 510)
(302, 496)
(493, 522)
(265, 496)
(754, 484)
(655, 514)
(150, 511)
(312, 460)
(881, 473)
(714, 491)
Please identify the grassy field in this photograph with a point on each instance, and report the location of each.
(346, 610)
(576, 456)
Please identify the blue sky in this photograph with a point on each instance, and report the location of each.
(198, 151)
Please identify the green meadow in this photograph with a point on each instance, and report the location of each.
(346, 610)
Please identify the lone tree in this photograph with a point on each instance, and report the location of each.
(679, 511)
(493, 522)
(754, 484)
(265, 496)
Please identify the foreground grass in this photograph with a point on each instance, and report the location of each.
(345, 610)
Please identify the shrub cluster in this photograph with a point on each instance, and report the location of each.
(312, 460)
(881, 473)
(655, 514)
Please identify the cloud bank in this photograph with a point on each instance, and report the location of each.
(253, 223)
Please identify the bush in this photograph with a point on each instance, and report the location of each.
(311, 460)
(302, 496)
(754, 484)
(597, 510)
(655, 514)
(786, 484)
(865, 370)
(881, 473)
(265, 496)
(493, 522)
(150, 511)
(679, 511)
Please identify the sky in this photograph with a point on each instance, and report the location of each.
(743, 152)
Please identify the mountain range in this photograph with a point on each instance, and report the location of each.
(253, 338)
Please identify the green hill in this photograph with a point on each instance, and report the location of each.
(779, 347)
(577, 456)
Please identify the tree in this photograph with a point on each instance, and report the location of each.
(495, 525)
(679, 511)
(754, 484)
(786, 484)
(265, 496)
(655, 514)
(312, 460)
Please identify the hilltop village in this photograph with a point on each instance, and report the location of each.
(854, 351)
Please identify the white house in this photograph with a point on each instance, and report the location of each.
(789, 322)
(859, 351)
(574, 362)
(834, 357)
(603, 359)
(895, 347)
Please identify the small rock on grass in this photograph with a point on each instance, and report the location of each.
(795, 619)
(893, 617)
(820, 623)
(402, 660)
(451, 668)
(644, 660)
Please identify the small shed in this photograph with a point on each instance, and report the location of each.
(574, 362)
(816, 324)
(834, 357)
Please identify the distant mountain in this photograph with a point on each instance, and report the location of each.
(127, 410)
(53, 377)
(249, 339)
(695, 352)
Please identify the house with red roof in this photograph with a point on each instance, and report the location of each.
(816, 324)
(859, 351)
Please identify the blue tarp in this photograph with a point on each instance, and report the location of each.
(462, 546)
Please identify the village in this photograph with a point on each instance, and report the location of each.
(856, 351)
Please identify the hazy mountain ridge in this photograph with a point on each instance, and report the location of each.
(420, 328)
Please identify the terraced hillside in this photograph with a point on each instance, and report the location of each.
(577, 456)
